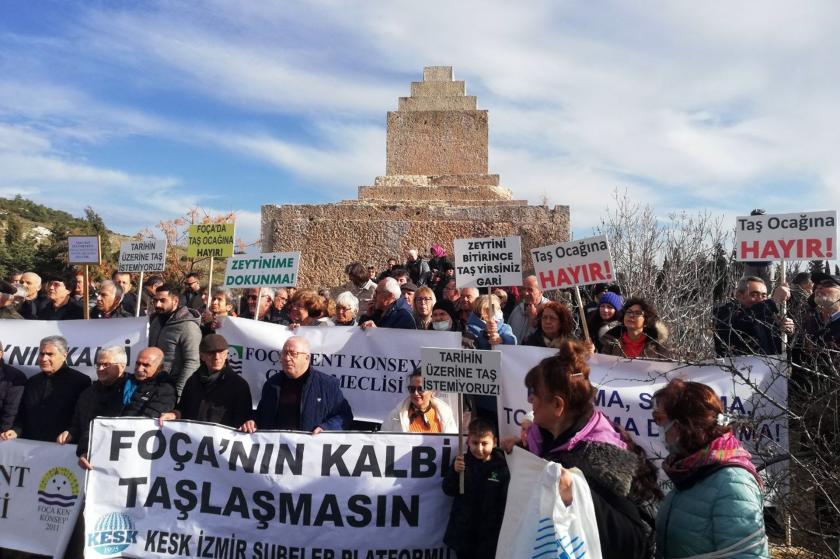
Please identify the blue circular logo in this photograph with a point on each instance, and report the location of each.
(112, 534)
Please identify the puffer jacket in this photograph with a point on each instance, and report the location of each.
(654, 348)
(716, 512)
(477, 329)
(178, 338)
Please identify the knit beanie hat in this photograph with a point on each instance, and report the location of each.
(611, 298)
(447, 306)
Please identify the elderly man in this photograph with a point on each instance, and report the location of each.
(60, 304)
(31, 282)
(421, 411)
(750, 325)
(251, 295)
(523, 317)
(465, 304)
(279, 311)
(109, 302)
(129, 296)
(7, 301)
(390, 309)
(301, 398)
(50, 396)
(116, 394)
(12, 382)
(359, 285)
(176, 331)
(214, 393)
(220, 306)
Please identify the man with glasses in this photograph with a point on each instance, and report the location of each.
(176, 331)
(251, 295)
(50, 396)
(300, 398)
(279, 312)
(192, 297)
(421, 411)
(751, 324)
(60, 304)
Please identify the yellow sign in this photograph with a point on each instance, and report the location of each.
(210, 239)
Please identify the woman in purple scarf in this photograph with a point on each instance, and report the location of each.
(715, 508)
(569, 430)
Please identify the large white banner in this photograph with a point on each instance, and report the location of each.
(371, 365)
(201, 490)
(41, 494)
(21, 339)
(748, 386)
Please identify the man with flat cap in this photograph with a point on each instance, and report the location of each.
(214, 393)
(7, 301)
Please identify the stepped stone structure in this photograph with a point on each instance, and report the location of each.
(436, 189)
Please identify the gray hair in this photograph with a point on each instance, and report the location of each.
(224, 292)
(117, 353)
(391, 285)
(742, 283)
(117, 289)
(59, 342)
(347, 299)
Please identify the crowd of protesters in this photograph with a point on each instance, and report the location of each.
(715, 505)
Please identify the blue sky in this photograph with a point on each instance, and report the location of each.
(145, 109)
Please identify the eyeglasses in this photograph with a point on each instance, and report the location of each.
(416, 389)
(104, 365)
(293, 354)
(342, 309)
(634, 314)
(423, 299)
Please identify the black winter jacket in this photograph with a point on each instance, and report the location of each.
(476, 516)
(48, 403)
(12, 382)
(227, 400)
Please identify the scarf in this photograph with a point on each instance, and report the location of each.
(723, 452)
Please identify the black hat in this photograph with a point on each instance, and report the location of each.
(212, 343)
(819, 278)
(448, 306)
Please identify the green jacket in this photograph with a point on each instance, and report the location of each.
(716, 512)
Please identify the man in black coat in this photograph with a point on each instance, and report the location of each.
(750, 325)
(50, 396)
(214, 393)
(116, 394)
(12, 382)
(60, 304)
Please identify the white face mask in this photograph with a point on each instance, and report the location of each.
(440, 325)
(500, 316)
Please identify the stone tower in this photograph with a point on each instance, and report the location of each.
(436, 188)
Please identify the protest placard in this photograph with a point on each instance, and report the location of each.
(41, 493)
(488, 262)
(625, 391)
(271, 269)
(21, 340)
(371, 366)
(462, 371)
(146, 255)
(201, 490)
(83, 250)
(210, 240)
(780, 237)
(575, 263)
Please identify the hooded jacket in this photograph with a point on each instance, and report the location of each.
(477, 329)
(178, 337)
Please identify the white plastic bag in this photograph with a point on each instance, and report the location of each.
(537, 525)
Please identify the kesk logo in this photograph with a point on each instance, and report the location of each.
(235, 358)
(58, 487)
(112, 534)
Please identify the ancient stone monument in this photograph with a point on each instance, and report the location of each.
(436, 189)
